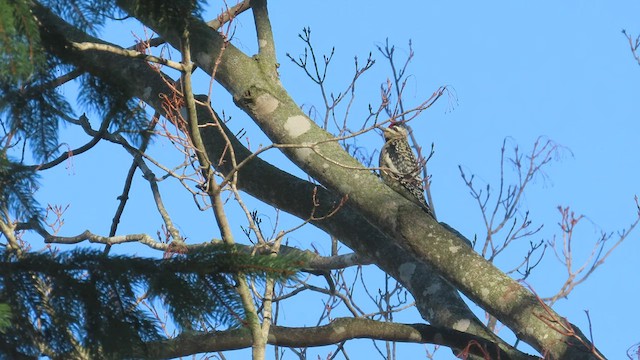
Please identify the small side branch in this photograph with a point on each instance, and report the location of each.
(91, 237)
(88, 46)
(97, 136)
(634, 44)
(124, 197)
(266, 45)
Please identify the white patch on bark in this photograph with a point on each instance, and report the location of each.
(462, 325)
(406, 271)
(297, 125)
(265, 104)
(485, 292)
(433, 289)
(262, 43)
(325, 166)
(454, 249)
(340, 330)
(304, 152)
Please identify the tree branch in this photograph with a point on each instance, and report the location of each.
(266, 45)
(88, 46)
(339, 330)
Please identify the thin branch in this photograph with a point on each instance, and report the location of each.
(8, 230)
(91, 237)
(96, 138)
(88, 46)
(634, 44)
(146, 171)
(266, 45)
(124, 197)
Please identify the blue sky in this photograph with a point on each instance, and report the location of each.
(519, 69)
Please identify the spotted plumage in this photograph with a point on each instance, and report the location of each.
(399, 168)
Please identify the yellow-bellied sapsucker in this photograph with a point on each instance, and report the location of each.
(399, 168)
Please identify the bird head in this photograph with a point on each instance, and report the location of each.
(395, 131)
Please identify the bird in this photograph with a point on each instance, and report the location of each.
(399, 168)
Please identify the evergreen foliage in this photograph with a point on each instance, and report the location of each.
(20, 52)
(17, 185)
(31, 110)
(5, 317)
(31, 105)
(83, 297)
(86, 15)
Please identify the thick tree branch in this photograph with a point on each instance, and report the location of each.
(339, 330)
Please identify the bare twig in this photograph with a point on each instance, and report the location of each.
(124, 197)
(597, 257)
(634, 44)
(504, 208)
